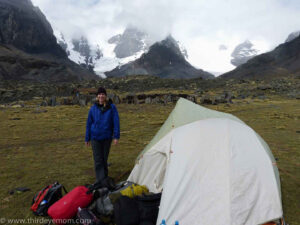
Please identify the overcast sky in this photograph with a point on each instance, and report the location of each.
(200, 25)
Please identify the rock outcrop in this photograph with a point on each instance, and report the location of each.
(25, 27)
(28, 48)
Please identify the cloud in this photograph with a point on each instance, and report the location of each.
(201, 25)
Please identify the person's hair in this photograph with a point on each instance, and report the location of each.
(101, 90)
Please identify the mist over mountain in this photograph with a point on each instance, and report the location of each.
(105, 56)
(130, 42)
(201, 26)
(30, 50)
(164, 59)
(80, 51)
(283, 61)
(292, 36)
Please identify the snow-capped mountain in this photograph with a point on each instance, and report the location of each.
(80, 50)
(120, 49)
(243, 52)
(164, 59)
(292, 36)
(130, 42)
(283, 61)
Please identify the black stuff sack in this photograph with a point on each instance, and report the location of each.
(126, 211)
(148, 206)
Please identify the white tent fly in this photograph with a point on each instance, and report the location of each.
(211, 168)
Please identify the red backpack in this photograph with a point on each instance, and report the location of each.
(66, 208)
(45, 198)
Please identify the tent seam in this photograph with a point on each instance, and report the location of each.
(229, 171)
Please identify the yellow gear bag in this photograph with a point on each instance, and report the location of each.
(134, 190)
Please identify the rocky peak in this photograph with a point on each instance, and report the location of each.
(173, 45)
(25, 27)
(19, 3)
(98, 53)
(292, 36)
(62, 42)
(242, 53)
(164, 59)
(283, 61)
(88, 54)
(82, 46)
(129, 43)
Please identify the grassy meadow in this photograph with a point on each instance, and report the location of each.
(41, 145)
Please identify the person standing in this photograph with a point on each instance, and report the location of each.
(102, 128)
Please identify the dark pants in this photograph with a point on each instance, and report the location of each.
(100, 152)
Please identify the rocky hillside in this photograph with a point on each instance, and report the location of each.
(25, 27)
(18, 65)
(29, 49)
(164, 59)
(282, 61)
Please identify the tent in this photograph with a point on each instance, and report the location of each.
(212, 169)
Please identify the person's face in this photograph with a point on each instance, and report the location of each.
(101, 98)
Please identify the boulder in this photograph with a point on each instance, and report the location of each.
(52, 101)
(130, 99)
(66, 101)
(82, 102)
(114, 98)
(264, 87)
(39, 110)
(148, 100)
(167, 98)
(44, 103)
(156, 100)
(206, 99)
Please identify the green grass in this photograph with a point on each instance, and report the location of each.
(39, 148)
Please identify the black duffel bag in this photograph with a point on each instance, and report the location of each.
(126, 211)
(148, 206)
(135, 211)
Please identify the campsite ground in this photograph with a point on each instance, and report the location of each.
(41, 145)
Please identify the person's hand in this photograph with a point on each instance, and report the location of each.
(115, 141)
(87, 144)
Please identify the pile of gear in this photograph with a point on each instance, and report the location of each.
(101, 203)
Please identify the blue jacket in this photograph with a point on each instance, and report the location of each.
(102, 123)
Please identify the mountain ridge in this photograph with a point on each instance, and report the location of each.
(164, 59)
(284, 60)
